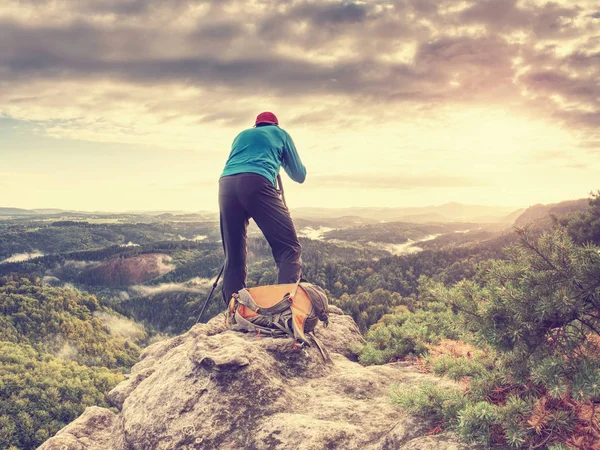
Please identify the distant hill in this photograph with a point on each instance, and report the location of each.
(510, 218)
(426, 218)
(448, 212)
(334, 222)
(36, 212)
(50, 211)
(47, 212)
(15, 212)
(148, 216)
(541, 213)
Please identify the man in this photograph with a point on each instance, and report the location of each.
(247, 190)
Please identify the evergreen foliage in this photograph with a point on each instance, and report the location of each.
(539, 311)
(537, 315)
(406, 332)
(40, 394)
(61, 320)
(584, 227)
(439, 403)
(58, 355)
(72, 236)
(531, 313)
(456, 367)
(369, 307)
(172, 312)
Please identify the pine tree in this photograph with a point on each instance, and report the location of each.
(539, 312)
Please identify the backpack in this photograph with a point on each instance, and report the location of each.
(281, 310)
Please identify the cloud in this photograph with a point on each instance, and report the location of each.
(547, 21)
(401, 181)
(121, 325)
(170, 60)
(324, 14)
(195, 285)
(20, 257)
(576, 166)
(67, 352)
(120, 7)
(560, 158)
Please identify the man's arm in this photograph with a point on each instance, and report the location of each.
(291, 162)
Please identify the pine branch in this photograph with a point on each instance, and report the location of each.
(589, 326)
(464, 310)
(536, 250)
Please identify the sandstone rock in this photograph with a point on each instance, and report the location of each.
(212, 388)
(96, 429)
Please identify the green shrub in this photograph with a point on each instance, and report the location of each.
(63, 321)
(60, 351)
(476, 422)
(559, 447)
(456, 367)
(40, 394)
(404, 333)
(438, 403)
(537, 314)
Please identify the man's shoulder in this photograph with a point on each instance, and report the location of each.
(281, 132)
(273, 131)
(247, 131)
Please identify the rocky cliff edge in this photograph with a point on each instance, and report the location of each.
(211, 388)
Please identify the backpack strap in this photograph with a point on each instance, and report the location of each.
(293, 294)
(281, 305)
(244, 298)
(277, 308)
(243, 324)
(318, 299)
(324, 352)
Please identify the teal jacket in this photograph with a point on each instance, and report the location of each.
(263, 150)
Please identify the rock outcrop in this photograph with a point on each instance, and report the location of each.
(216, 389)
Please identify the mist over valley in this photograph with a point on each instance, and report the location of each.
(93, 289)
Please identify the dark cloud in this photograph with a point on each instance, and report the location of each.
(324, 14)
(274, 75)
(423, 7)
(400, 181)
(86, 52)
(128, 9)
(497, 14)
(569, 87)
(581, 119)
(121, 7)
(462, 55)
(305, 48)
(572, 88)
(548, 21)
(223, 31)
(83, 51)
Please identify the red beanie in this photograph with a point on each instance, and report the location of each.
(266, 117)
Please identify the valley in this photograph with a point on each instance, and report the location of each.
(92, 290)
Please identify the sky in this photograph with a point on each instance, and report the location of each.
(121, 105)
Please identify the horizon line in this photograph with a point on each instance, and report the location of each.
(185, 211)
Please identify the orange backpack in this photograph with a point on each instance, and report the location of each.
(281, 310)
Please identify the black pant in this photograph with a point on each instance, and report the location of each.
(248, 195)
